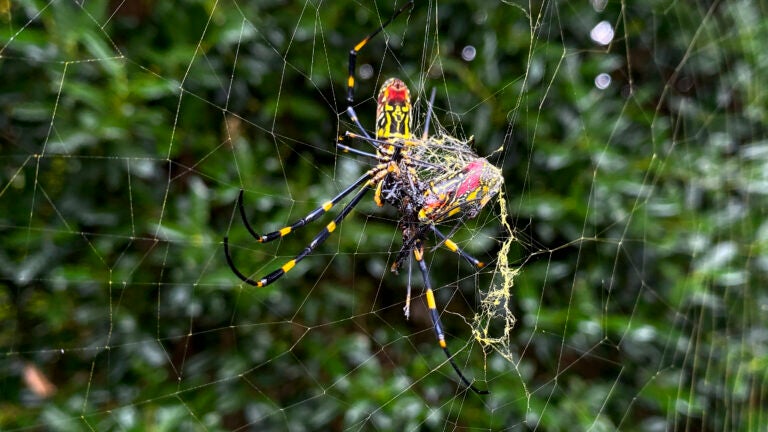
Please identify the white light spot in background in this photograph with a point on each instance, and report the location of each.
(366, 71)
(468, 53)
(602, 33)
(599, 5)
(602, 81)
(482, 17)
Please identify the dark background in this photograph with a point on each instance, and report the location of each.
(127, 130)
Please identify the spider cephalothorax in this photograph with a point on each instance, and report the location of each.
(428, 179)
(393, 110)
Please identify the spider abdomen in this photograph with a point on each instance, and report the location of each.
(461, 193)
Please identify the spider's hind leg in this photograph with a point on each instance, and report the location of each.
(453, 247)
(418, 254)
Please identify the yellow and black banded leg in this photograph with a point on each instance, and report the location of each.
(379, 144)
(453, 247)
(418, 253)
(347, 149)
(353, 55)
(319, 238)
(313, 215)
(388, 146)
(353, 116)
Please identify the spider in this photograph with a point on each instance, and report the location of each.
(428, 180)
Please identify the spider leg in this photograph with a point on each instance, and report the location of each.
(453, 247)
(314, 214)
(347, 149)
(418, 253)
(407, 307)
(380, 144)
(353, 55)
(353, 116)
(319, 238)
(425, 133)
(353, 61)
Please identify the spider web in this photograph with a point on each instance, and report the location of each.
(626, 252)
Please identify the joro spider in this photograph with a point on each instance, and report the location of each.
(429, 179)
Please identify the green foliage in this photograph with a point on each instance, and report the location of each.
(128, 128)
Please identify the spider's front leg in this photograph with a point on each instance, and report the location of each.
(312, 216)
(319, 239)
(353, 52)
(362, 185)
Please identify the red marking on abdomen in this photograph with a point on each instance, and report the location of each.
(474, 169)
